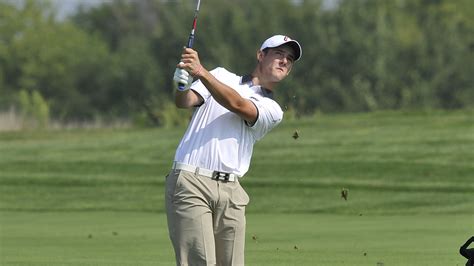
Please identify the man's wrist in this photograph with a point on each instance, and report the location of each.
(199, 72)
(182, 88)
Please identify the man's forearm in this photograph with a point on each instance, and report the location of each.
(228, 97)
(223, 94)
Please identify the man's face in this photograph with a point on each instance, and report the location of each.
(276, 63)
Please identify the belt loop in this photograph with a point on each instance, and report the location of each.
(197, 171)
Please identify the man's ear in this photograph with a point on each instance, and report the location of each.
(260, 55)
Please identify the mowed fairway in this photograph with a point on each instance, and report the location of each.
(95, 197)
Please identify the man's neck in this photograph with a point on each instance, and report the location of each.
(257, 80)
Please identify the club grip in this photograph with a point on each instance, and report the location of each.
(181, 86)
(190, 41)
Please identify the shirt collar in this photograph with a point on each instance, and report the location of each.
(246, 79)
(265, 92)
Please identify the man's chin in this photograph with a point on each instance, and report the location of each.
(281, 76)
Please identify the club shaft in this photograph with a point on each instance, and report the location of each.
(193, 29)
(191, 35)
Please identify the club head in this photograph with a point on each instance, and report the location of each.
(468, 253)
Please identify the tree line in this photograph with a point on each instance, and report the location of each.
(116, 59)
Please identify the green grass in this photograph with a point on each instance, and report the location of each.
(410, 178)
(138, 238)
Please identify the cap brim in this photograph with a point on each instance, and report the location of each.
(296, 48)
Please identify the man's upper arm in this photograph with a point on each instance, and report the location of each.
(248, 111)
(269, 115)
(195, 96)
(188, 99)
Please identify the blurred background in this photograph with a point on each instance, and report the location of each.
(382, 101)
(92, 62)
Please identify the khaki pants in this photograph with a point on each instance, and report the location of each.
(206, 219)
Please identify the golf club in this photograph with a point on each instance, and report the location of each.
(191, 35)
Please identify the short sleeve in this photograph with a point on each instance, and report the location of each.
(199, 87)
(269, 115)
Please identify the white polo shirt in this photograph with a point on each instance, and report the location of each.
(220, 140)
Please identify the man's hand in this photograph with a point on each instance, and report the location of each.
(191, 63)
(182, 76)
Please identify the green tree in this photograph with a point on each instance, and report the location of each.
(34, 109)
(117, 59)
(71, 68)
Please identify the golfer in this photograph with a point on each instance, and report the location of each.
(205, 202)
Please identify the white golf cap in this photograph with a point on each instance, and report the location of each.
(278, 40)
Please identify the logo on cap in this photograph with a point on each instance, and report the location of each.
(286, 38)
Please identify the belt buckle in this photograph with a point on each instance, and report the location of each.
(221, 176)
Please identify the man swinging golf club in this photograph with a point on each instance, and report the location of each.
(205, 202)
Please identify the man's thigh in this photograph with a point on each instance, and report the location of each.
(229, 224)
(190, 220)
